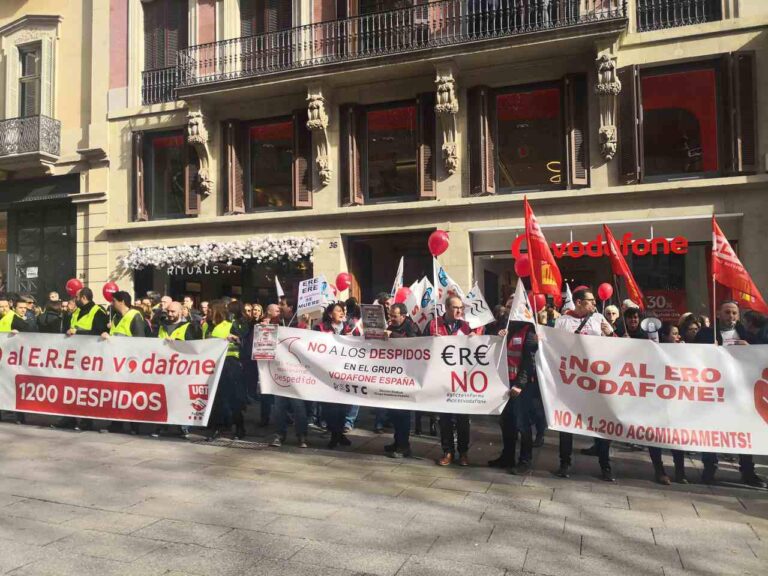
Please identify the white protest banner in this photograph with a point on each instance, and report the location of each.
(476, 310)
(398, 283)
(446, 286)
(446, 374)
(134, 379)
(312, 296)
(568, 300)
(279, 288)
(695, 397)
(420, 303)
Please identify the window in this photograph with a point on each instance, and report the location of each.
(688, 121)
(165, 176)
(268, 164)
(528, 137)
(271, 161)
(391, 152)
(530, 127)
(265, 16)
(165, 32)
(29, 80)
(387, 151)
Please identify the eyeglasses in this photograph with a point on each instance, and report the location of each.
(458, 307)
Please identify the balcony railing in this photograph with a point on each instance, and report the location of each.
(660, 14)
(420, 27)
(158, 85)
(32, 134)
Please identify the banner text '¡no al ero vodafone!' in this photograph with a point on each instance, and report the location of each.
(598, 248)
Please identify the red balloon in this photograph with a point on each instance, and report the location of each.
(402, 294)
(73, 286)
(343, 281)
(537, 301)
(605, 291)
(438, 242)
(108, 291)
(523, 266)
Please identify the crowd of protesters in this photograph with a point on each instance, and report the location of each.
(522, 420)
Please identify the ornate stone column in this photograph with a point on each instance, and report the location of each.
(197, 136)
(607, 89)
(446, 108)
(318, 125)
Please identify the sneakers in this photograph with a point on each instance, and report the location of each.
(522, 468)
(277, 441)
(303, 442)
(563, 471)
(390, 448)
(754, 480)
(606, 475)
(501, 462)
(398, 454)
(680, 478)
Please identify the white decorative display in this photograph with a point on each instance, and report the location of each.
(267, 249)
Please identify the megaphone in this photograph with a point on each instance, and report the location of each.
(651, 326)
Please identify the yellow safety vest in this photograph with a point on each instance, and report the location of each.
(123, 327)
(86, 322)
(222, 330)
(179, 333)
(205, 329)
(7, 321)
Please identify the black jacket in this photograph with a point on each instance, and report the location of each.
(706, 335)
(407, 329)
(52, 322)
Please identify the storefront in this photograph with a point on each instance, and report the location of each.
(668, 257)
(37, 235)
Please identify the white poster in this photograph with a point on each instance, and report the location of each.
(458, 374)
(476, 310)
(313, 296)
(133, 379)
(696, 397)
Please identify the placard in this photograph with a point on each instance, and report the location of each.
(374, 321)
(264, 342)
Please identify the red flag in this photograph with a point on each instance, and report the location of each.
(728, 270)
(620, 268)
(545, 275)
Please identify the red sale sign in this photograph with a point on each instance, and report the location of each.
(666, 305)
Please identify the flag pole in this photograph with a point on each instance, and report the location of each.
(434, 291)
(714, 282)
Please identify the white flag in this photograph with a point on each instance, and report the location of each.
(398, 283)
(568, 300)
(420, 303)
(279, 288)
(520, 311)
(446, 287)
(476, 310)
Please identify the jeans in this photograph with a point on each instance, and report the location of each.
(566, 449)
(352, 413)
(380, 415)
(459, 423)
(525, 415)
(299, 415)
(746, 463)
(401, 421)
(508, 423)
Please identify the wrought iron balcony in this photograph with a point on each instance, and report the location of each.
(35, 138)
(417, 28)
(659, 14)
(158, 85)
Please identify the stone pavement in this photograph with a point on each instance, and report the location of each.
(113, 504)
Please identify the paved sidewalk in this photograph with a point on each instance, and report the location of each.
(113, 504)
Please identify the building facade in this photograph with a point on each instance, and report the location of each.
(53, 144)
(352, 129)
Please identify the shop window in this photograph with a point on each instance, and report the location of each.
(688, 121)
(388, 151)
(268, 164)
(165, 176)
(165, 32)
(529, 137)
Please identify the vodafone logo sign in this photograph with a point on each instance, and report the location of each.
(761, 396)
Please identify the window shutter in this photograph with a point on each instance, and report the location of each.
(47, 71)
(351, 173)
(175, 27)
(235, 187)
(576, 115)
(12, 72)
(745, 112)
(30, 105)
(302, 158)
(140, 208)
(151, 35)
(191, 184)
(630, 137)
(284, 14)
(247, 18)
(270, 15)
(426, 146)
(482, 150)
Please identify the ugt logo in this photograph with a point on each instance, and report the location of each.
(198, 397)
